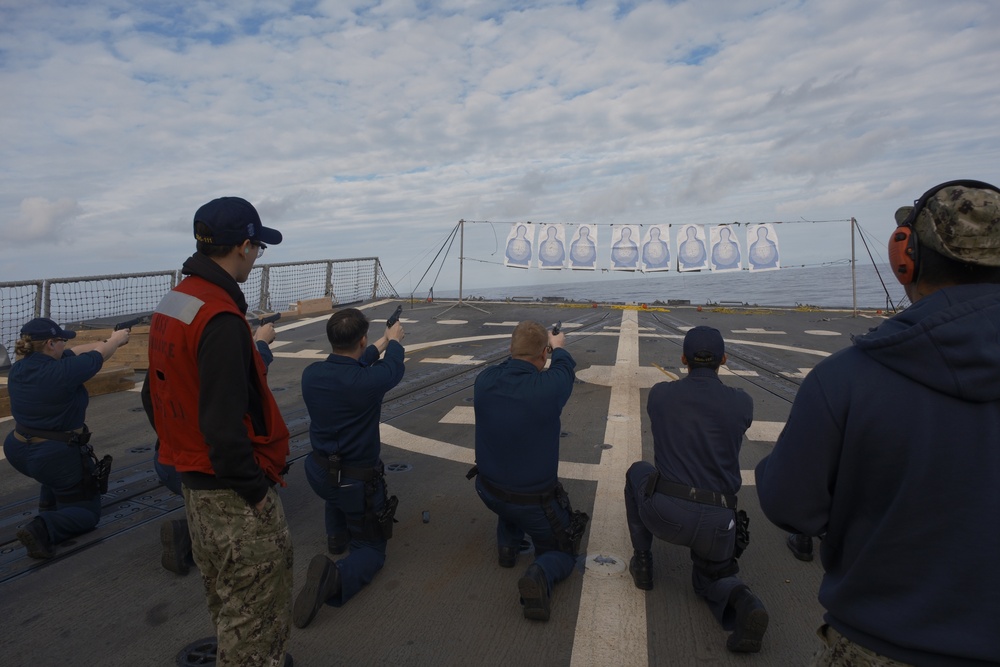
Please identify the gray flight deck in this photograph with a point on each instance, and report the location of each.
(441, 598)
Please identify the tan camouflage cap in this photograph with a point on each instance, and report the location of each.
(960, 222)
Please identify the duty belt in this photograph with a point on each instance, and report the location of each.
(80, 436)
(697, 495)
(362, 474)
(517, 498)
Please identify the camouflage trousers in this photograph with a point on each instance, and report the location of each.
(245, 559)
(839, 651)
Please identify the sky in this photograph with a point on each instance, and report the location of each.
(365, 129)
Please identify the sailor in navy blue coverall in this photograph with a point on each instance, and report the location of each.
(689, 496)
(344, 397)
(48, 401)
(517, 406)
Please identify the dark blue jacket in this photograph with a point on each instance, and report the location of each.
(48, 394)
(892, 449)
(517, 422)
(344, 399)
(698, 425)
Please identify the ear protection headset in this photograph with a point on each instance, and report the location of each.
(904, 248)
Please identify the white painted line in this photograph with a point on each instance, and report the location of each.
(394, 437)
(453, 360)
(797, 376)
(612, 327)
(764, 431)
(822, 332)
(500, 324)
(611, 622)
(302, 354)
(322, 318)
(724, 370)
(452, 321)
(754, 330)
(460, 414)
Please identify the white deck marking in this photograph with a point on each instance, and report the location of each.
(500, 324)
(460, 414)
(755, 330)
(453, 360)
(452, 322)
(801, 374)
(395, 437)
(303, 354)
(764, 431)
(611, 622)
(822, 332)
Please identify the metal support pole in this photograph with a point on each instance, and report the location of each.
(461, 271)
(854, 279)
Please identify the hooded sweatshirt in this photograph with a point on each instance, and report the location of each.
(891, 452)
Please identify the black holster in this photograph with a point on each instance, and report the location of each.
(742, 533)
(387, 517)
(569, 538)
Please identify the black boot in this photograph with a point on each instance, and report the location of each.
(322, 583)
(751, 621)
(533, 588)
(641, 568)
(801, 546)
(35, 538)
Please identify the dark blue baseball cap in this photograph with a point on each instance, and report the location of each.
(42, 328)
(704, 345)
(231, 221)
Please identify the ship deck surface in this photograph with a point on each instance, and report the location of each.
(441, 599)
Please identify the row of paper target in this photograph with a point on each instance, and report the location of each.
(643, 247)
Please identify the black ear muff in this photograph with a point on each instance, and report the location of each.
(904, 249)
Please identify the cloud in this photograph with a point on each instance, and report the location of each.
(371, 129)
(43, 221)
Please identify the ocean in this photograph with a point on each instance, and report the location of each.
(825, 286)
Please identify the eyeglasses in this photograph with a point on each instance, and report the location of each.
(260, 248)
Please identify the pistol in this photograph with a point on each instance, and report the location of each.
(395, 316)
(261, 321)
(557, 328)
(127, 324)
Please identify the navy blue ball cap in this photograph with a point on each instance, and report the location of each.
(231, 221)
(42, 328)
(704, 344)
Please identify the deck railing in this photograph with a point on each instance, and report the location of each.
(270, 287)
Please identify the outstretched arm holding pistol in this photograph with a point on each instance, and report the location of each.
(393, 331)
(105, 347)
(557, 338)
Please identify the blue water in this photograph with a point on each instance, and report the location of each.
(826, 286)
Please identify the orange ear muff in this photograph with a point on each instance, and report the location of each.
(903, 254)
(903, 245)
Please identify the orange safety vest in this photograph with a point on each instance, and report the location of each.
(174, 333)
